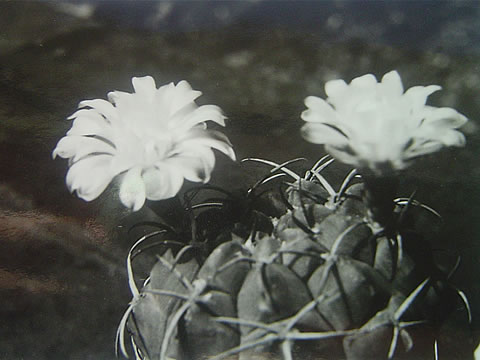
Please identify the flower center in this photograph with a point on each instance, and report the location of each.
(155, 150)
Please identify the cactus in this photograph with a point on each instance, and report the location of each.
(337, 274)
(327, 282)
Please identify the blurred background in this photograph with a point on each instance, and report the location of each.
(63, 287)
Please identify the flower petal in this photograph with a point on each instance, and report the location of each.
(416, 96)
(89, 113)
(319, 110)
(91, 124)
(120, 164)
(445, 118)
(103, 107)
(132, 189)
(90, 176)
(447, 137)
(183, 96)
(318, 133)
(335, 88)
(162, 182)
(197, 116)
(195, 166)
(145, 87)
(345, 155)
(420, 149)
(117, 96)
(366, 82)
(452, 138)
(164, 97)
(346, 98)
(197, 138)
(392, 84)
(76, 147)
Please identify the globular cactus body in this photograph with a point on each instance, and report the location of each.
(326, 283)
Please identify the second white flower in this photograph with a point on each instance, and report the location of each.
(376, 125)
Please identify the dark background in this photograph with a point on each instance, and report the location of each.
(62, 278)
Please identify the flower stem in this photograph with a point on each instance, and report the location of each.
(379, 193)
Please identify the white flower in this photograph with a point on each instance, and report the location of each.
(476, 354)
(378, 126)
(155, 138)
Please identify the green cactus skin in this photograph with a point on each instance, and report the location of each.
(328, 282)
